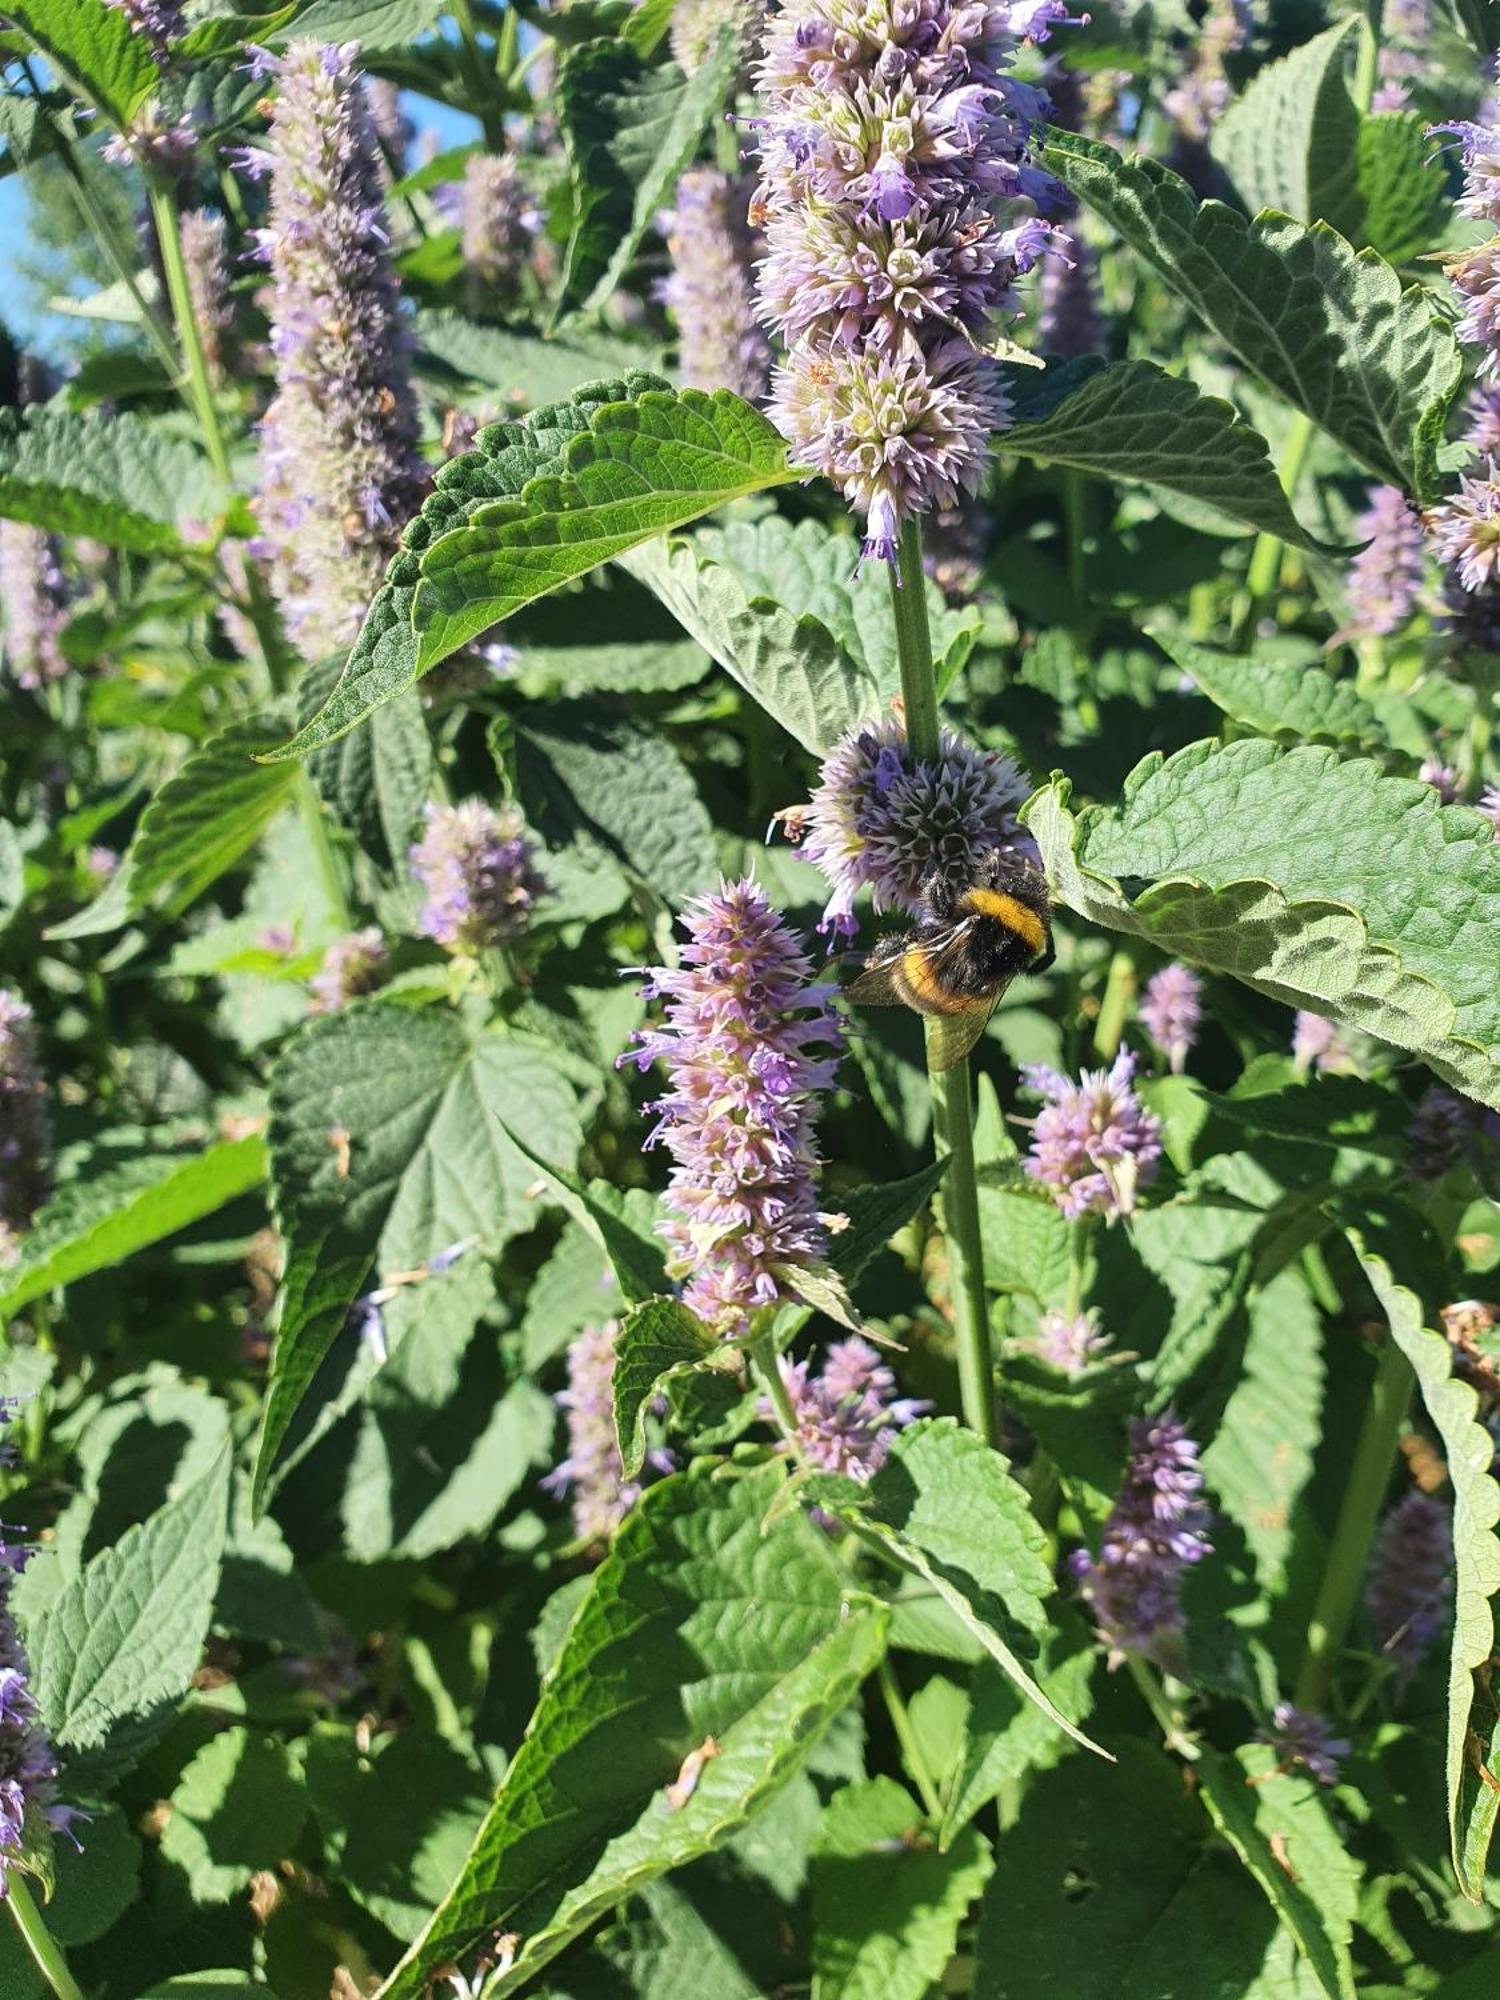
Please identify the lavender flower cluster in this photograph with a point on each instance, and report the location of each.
(1303, 1740)
(354, 964)
(28, 1763)
(475, 867)
(848, 1414)
(749, 1040)
(498, 224)
(25, 1147)
(205, 257)
(883, 820)
(1093, 1144)
(1171, 1011)
(34, 595)
(1410, 1580)
(161, 22)
(710, 292)
(1466, 527)
(1385, 578)
(891, 131)
(339, 470)
(1157, 1529)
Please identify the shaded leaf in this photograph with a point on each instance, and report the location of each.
(657, 1342)
(113, 478)
(1292, 703)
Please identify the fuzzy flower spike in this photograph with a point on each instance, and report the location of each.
(749, 1040)
(1157, 1529)
(883, 820)
(900, 206)
(1092, 1144)
(339, 470)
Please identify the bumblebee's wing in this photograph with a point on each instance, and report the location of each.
(951, 1036)
(876, 985)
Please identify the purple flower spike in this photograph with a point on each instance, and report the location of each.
(1385, 578)
(28, 1763)
(895, 184)
(710, 291)
(35, 596)
(849, 1414)
(1410, 1580)
(1303, 1740)
(474, 865)
(1171, 1010)
(161, 22)
(498, 221)
(25, 1144)
(1070, 1340)
(339, 467)
(1157, 1529)
(1448, 1130)
(1092, 1144)
(354, 964)
(883, 820)
(593, 1473)
(206, 258)
(743, 1020)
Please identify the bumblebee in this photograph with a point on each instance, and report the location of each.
(968, 944)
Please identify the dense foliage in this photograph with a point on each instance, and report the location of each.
(549, 1446)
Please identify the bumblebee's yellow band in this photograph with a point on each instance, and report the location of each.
(1006, 910)
(926, 992)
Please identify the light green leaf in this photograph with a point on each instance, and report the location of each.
(1318, 881)
(238, 1807)
(377, 25)
(887, 1905)
(791, 664)
(122, 1640)
(584, 772)
(115, 479)
(713, 1633)
(418, 1100)
(199, 823)
(641, 468)
(1453, 1407)
(1291, 139)
(1006, 1738)
(98, 1220)
(945, 1506)
(629, 129)
(93, 50)
(1327, 327)
(813, 572)
(525, 369)
(1027, 1242)
(658, 1341)
(502, 459)
(1290, 702)
(1278, 1825)
(1130, 420)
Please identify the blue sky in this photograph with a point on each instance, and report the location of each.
(40, 330)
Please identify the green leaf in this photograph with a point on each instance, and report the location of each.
(1290, 702)
(1407, 206)
(1453, 1407)
(238, 1807)
(93, 50)
(1107, 1887)
(629, 129)
(1130, 420)
(612, 1220)
(418, 1100)
(658, 1341)
(1027, 1242)
(115, 479)
(98, 1883)
(790, 663)
(98, 1220)
(502, 459)
(707, 1620)
(813, 572)
(1318, 881)
(945, 1506)
(227, 33)
(398, 1865)
(1327, 327)
(874, 1214)
(1278, 1825)
(1006, 1738)
(584, 771)
(1480, 21)
(198, 824)
(124, 1638)
(525, 369)
(641, 468)
(886, 1905)
(377, 780)
(1291, 139)
(1079, 1420)
(377, 25)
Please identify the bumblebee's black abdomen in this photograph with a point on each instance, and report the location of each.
(997, 953)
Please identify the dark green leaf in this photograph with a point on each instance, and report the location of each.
(658, 1341)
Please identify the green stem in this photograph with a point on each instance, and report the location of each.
(1367, 63)
(762, 1351)
(1175, 1733)
(39, 1940)
(1265, 560)
(482, 75)
(952, 1113)
(310, 811)
(1354, 1536)
(1119, 991)
(1073, 516)
(104, 236)
(194, 361)
(906, 1736)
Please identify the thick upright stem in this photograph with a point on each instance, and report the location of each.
(195, 363)
(1349, 1556)
(40, 1941)
(952, 1113)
